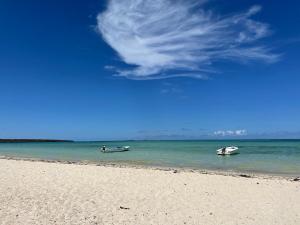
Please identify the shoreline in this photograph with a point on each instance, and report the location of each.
(231, 173)
(40, 192)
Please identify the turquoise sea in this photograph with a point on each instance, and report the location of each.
(263, 156)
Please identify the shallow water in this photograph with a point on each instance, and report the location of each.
(263, 156)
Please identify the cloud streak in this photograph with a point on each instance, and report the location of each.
(178, 38)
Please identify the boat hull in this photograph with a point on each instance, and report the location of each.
(228, 151)
(113, 150)
(118, 149)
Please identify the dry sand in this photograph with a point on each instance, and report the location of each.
(53, 193)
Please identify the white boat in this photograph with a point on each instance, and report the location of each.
(104, 149)
(228, 150)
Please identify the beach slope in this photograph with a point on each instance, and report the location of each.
(55, 193)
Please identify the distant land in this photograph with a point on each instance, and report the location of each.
(31, 140)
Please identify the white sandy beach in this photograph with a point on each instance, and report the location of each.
(54, 193)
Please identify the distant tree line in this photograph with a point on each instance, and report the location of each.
(31, 140)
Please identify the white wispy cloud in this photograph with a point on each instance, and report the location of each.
(171, 38)
(224, 133)
(170, 88)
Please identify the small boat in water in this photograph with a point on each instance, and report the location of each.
(228, 150)
(104, 149)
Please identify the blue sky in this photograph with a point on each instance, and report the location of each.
(93, 70)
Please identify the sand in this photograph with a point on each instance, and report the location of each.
(55, 193)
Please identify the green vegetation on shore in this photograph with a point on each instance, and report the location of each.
(31, 140)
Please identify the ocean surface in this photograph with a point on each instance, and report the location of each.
(281, 157)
